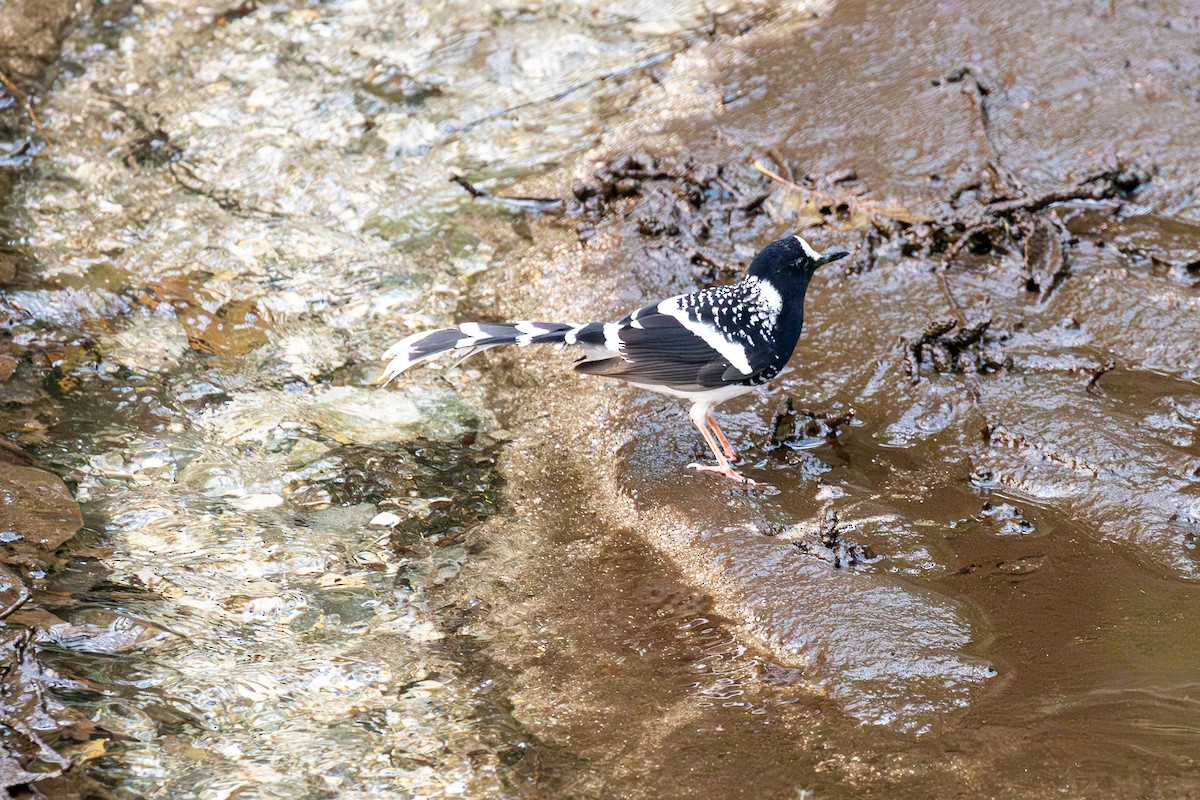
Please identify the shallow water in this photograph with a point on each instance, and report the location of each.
(235, 222)
(497, 581)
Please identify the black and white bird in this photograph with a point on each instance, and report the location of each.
(706, 347)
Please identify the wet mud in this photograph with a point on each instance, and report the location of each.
(1018, 474)
(970, 571)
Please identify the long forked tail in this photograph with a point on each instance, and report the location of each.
(471, 337)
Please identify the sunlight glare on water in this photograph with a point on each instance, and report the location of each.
(242, 217)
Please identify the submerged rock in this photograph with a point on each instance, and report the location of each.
(370, 416)
(151, 344)
(13, 592)
(32, 31)
(37, 514)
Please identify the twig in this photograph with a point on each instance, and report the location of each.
(978, 96)
(950, 301)
(526, 203)
(1048, 199)
(186, 177)
(28, 101)
(1004, 208)
(1093, 385)
(978, 99)
(831, 199)
(782, 162)
(237, 12)
(646, 63)
(795, 187)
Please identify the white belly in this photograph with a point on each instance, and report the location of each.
(709, 396)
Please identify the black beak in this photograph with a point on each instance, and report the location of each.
(831, 256)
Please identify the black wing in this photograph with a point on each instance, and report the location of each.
(705, 340)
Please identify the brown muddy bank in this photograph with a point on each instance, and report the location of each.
(1026, 475)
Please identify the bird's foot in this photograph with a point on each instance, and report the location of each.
(724, 470)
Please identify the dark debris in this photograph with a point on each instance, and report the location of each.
(988, 213)
(1045, 260)
(1003, 214)
(790, 427)
(236, 12)
(948, 346)
(390, 84)
(826, 543)
(687, 209)
(150, 144)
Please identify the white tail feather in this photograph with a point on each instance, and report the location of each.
(399, 359)
(464, 339)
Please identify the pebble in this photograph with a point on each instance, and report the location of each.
(257, 502)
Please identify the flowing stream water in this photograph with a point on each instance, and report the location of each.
(237, 216)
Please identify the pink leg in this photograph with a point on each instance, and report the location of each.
(699, 416)
(712, 423)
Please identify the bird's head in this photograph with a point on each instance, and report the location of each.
(791, 257)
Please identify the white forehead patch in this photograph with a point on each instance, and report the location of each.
(808, 251)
